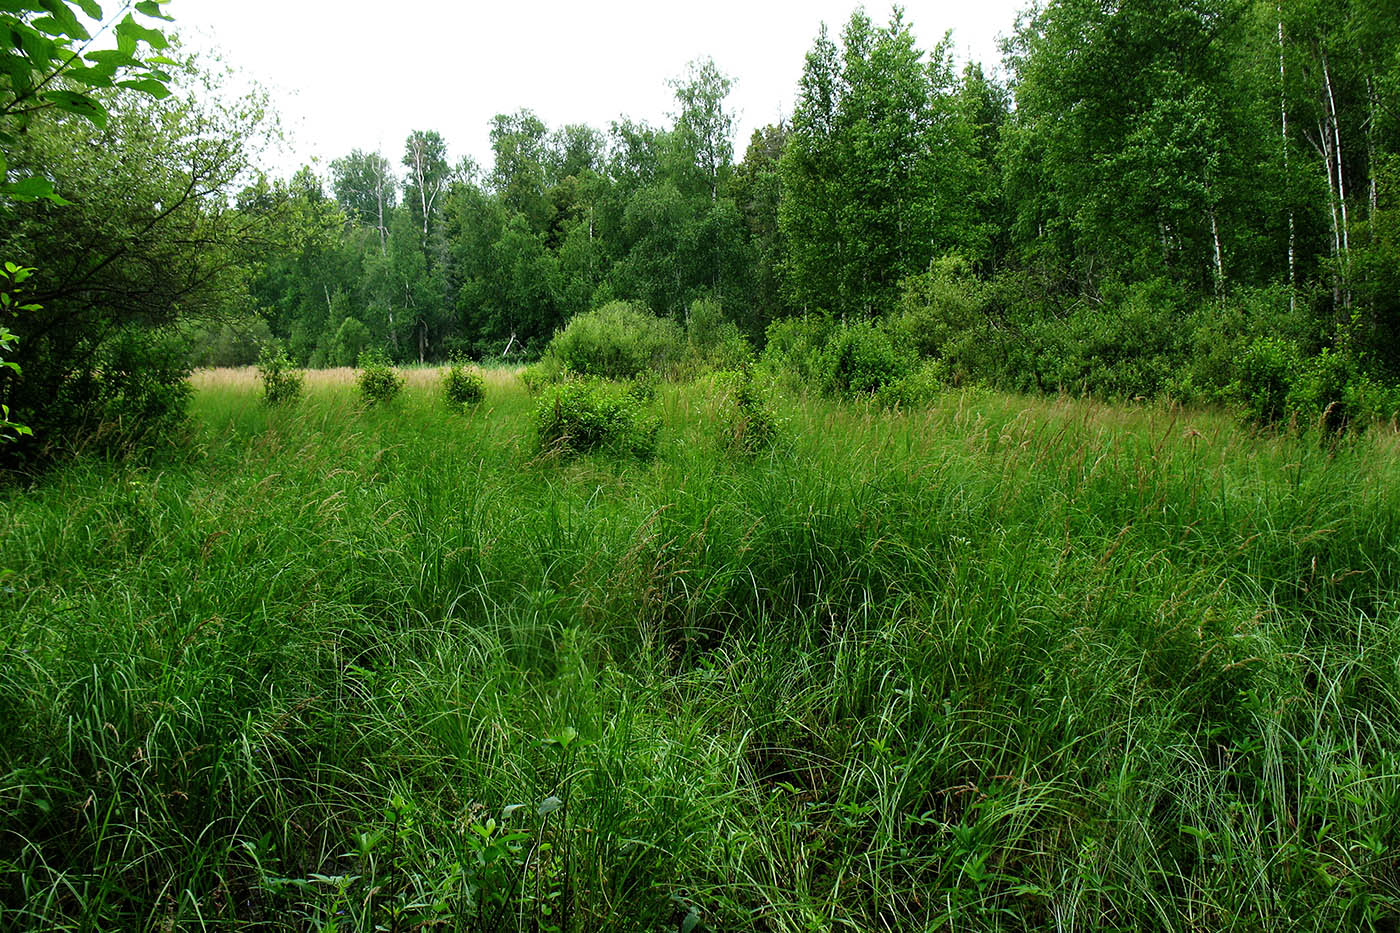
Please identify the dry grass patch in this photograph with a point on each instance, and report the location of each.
(246, 377)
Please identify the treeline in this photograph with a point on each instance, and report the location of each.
(1155, 187)
(1156, 197)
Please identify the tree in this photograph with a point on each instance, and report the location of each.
(518, 176)
(152, 240)
(48, 62)
(425, 157)
(366, 188)
(876, 172)
(757, 190)
(704, 129)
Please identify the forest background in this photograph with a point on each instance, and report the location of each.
(1160, 199)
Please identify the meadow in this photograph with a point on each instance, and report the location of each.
(996, 663)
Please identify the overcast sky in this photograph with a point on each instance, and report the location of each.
(355, 74)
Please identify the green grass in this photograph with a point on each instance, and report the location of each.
(998, 664)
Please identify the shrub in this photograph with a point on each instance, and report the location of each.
(715, 341)
(793, 345)
(750, 426)
(350, 341)
(137, 397)
(281, 381)
(462, 384)
(1332, 393)
(643, 386)
(379, 382)
(939, 306)
(584, 415)
(915, 389)
(128, 394)
(1265, 374)
(860, 359)
(617, 341)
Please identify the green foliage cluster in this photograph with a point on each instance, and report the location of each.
(617, 341)
(585, 415)
(751, 426)
(282, 382)
(129, 400)
(1266, 373)
(463, 384)
(714, 340)
(379, 382)
(1134, 342)
(221, 343)
(11, 282)
(860, 359)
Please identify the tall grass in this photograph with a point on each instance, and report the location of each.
(996, 664)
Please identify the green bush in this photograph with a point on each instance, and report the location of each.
(750, 425)
(939, 306)
(793, 345)
(917, 388)
(643, 386)
(349, 343)
(1333, 394)
(715, 341)
(116, 396)
(379, 382)
(860, 359)
(462, 384)
(137, 397)
(282, 382)
(616, 341)
(585, 415)
(1265, 375)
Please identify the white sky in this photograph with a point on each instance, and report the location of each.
(354, 74)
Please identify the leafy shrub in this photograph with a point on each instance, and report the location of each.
(750, 426)
(1333, 394)
(1265, 374)
(124, 396)
(349, 343)
(715, 341)
(860, 359)
(793, 345)
(939, 306)
(917, 388)
(137, 397)
(583, 415)
(281, 381)
(463, 384)
(643, 386)
(616, 341)
(379, 382)
(1217, 337)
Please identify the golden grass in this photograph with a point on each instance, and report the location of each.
(246, 377)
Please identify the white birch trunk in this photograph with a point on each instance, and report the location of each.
(1345, 257)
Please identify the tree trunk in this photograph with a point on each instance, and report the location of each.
(1345, 259)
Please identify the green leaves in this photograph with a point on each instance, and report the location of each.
(31, 189)
(129, 32)
(79, 104)
(150, 86)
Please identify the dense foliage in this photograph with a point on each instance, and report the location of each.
(1145, 192)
